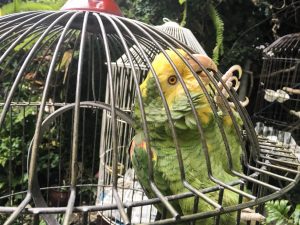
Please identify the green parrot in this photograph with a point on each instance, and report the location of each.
(166, 170)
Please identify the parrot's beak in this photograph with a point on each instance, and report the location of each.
(206, 62)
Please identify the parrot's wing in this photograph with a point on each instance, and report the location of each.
(139, 159)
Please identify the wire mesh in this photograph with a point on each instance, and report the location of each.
(71, 101)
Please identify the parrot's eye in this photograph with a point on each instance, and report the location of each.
(172, 80)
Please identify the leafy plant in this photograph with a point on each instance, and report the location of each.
(219, 27)
(183, 21)
(21, 6)
(280, 212)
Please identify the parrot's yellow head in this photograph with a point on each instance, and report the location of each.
(173, 91)
(168, 79)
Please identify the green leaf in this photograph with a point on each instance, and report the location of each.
(25, 43)
(277, 211)
(219, 27)
(2, 184)
(296, 215)
(23, 114)
(181, 2)
(42, 222)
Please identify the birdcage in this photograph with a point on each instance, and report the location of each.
(277, 106)
(58, 88)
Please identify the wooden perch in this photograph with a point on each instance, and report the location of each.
(295, 113)
(291, 90)
(278, 72)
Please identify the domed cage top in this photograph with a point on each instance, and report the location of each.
(278, 94)
(78, 85)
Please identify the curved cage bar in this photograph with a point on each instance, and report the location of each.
(78, 86)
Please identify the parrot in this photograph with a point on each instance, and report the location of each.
(166, 169)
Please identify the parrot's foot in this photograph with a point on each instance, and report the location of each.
(230, 81)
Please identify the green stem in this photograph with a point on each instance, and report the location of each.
(15, 5)
(183, 21)
(219, 27)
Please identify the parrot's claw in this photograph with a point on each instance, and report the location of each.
(243, 103)
(230, 81)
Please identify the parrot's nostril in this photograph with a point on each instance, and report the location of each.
(211, 70)
(199, 72)
(202, 74)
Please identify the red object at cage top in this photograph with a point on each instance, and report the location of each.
(107, 6)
